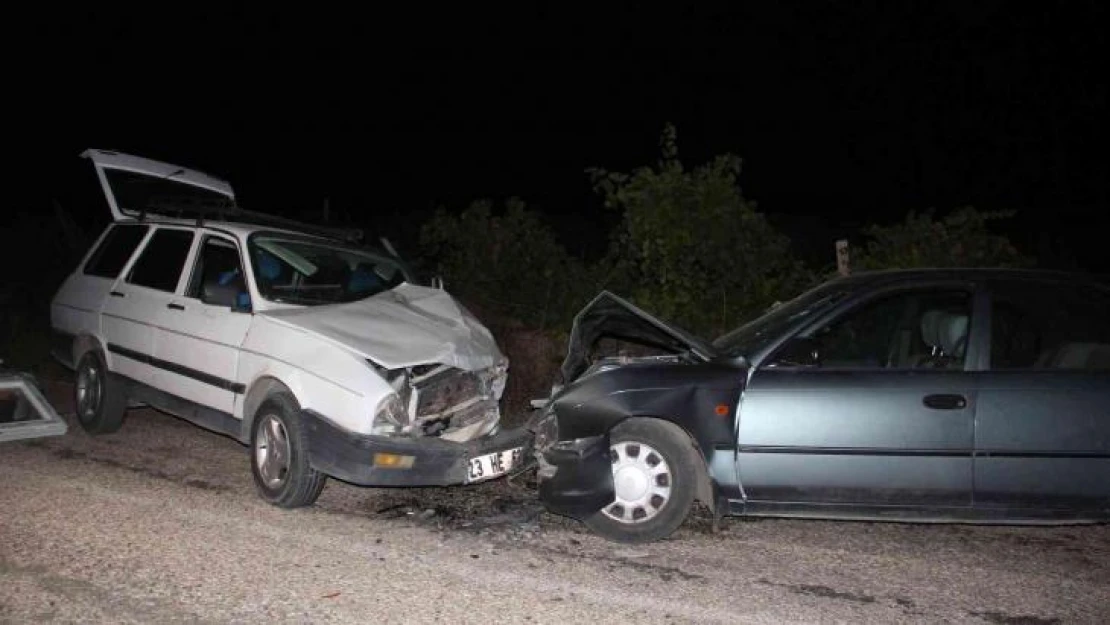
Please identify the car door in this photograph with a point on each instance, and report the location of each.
(137, 302)
(1043, 435)
(883, 414)
(202, 339)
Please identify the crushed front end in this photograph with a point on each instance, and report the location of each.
(574, 475)
(445, 402)
(440, 427)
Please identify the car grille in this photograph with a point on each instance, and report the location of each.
(440, 392)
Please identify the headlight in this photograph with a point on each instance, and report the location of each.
(390, 417)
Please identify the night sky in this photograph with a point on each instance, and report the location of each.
(845, 113)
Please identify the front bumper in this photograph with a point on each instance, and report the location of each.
(576, 477)
(350, 457)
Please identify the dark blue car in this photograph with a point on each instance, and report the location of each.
(972, 395)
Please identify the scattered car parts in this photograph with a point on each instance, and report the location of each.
(24, 411)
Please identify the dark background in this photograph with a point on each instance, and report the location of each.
(845, 113)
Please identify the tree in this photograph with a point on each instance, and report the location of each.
(509, 263)
(690, 247)
(961, 239)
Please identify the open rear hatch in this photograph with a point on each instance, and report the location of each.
(136, 186)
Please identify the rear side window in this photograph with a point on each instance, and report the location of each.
(1050, 326)
(114, 251)
(160, 264)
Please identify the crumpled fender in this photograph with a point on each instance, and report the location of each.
(702, 400)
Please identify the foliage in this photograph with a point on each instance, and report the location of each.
(691, 248)
(961, 239)
(509, 262)
(38, 253)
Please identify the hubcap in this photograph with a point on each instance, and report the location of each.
(89, 390)
(642, 482)
(271, 451)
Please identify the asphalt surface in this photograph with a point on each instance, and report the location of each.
(159, 523)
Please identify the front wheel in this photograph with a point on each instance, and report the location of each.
(654, 478)
(279, 455)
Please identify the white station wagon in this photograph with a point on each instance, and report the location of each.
(320, 354)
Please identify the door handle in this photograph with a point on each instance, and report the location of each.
(117, 294)
(175, 306)
(945, 402)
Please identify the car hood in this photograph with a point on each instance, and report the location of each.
(609, 315)
(406, 326)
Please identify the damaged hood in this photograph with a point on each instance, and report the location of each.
(406, 326)
(611, 316)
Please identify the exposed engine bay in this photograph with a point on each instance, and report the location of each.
(449, 403)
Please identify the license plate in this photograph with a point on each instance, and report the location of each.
(492, 465)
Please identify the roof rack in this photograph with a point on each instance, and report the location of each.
(192, 208)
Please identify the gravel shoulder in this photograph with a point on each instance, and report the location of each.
(160, 523)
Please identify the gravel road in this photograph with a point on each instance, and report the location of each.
(160, 523)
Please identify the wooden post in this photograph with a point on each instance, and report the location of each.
(843, 267)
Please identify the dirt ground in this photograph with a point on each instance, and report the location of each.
(160, 523)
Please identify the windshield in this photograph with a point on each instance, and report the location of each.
(312, 272)
(756, 334)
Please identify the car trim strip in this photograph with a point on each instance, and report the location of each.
(1004, 453)
(200, 376)
(850, 451)
(867, 451)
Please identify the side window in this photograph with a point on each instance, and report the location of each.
(160, 264)
(115, 250)
(217, 263)
(1042, 326)
(925, 329)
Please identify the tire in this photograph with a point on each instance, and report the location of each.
(655, 479)
(99, 399)
(279, 455)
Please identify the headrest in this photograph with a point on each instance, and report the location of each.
(268, 266)
(952, 332)
(930, 327)
(1094, 356)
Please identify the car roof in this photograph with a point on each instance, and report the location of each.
(235, 228)
(872, 278)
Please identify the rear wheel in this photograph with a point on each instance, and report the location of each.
(279, 455)
(655, 480)
(99, 399)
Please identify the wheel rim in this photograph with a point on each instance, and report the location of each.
(90, 389)
(642, 480)
(271, 451)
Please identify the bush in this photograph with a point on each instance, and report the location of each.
(509, 264)
(691, 248)
(961, 239)
(38, 253)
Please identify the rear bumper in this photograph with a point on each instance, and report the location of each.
(350, 457)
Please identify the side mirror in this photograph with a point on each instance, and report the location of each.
(798, 352)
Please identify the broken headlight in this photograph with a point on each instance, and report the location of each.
(546, 430)
(390, 417)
